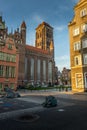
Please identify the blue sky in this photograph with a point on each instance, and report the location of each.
(58, 13)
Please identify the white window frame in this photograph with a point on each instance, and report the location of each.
(77, 46)
(83, 12)
(76, 31)
(79, 78)
(79, 60)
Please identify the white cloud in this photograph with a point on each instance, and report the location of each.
(60, 28)
(64, 57)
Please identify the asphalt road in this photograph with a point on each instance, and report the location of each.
(70, 114)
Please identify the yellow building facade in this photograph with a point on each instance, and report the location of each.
(78, 47)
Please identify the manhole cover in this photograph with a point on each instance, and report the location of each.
(27, 118)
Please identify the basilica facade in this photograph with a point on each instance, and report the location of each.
(36, 63)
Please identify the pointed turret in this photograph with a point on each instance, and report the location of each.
(23, 32)
(23, 25)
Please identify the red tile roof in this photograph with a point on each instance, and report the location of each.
(44, 23)
(35, 49)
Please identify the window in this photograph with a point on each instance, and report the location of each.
(85, 58)
(84, 43)
(83, 12)
(0, 86)
(84, 28)
(77, 46)
(10, 71)
(78, 60)
(1, 70)
(13, 58)
(76, 32)
(1, 37)
(7, 57)
(1, 56)
(13, 72)
(9, 46)
(79, 83)
(7, 71)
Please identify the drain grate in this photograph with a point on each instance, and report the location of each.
(27, 118)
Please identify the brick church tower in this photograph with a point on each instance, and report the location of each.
(44, 38)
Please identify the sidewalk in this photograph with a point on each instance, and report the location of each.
(61, 94)
(43, 92)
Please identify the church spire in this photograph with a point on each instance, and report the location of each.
(23, 25)
(23, 32)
